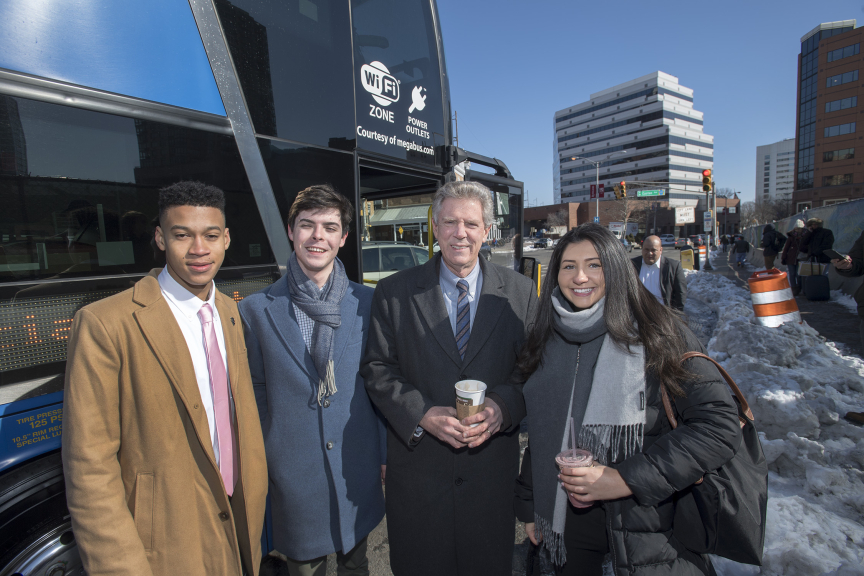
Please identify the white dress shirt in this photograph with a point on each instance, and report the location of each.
(185, 306)
(650, 277)
(447, 280)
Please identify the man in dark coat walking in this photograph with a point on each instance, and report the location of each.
(816, 242)
(853, 265)
(772, 244)
(663, 277)
(449, 486)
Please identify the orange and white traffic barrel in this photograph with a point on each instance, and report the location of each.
(773, 302)
(703, 253)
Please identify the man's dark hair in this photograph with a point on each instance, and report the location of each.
(188, 193)
(322, 197)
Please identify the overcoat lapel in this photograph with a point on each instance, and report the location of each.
(664, 279)
(343, 334)
(430, 303)
(161, 331)
(489, 307)
(281, 314)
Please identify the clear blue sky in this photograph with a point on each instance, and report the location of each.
(512, 64)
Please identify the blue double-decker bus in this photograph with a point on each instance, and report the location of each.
(102, 103)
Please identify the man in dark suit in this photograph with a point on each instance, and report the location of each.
(663, 277)
(449, 486)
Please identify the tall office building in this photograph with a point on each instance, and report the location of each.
(644, 130)
(828, 94)
(775, 171)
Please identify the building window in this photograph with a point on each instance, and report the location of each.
(844, 78)
(834, 201)
(843, 52)
(837, 180)
(840, 129)
(803, 206)
(841, 104)
(844, 154)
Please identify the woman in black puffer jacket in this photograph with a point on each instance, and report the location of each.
(599, 350)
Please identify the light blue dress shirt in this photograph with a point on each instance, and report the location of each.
(447, 280)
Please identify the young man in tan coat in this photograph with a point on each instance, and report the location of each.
(162, 447)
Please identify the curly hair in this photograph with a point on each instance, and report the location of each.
(189, 193)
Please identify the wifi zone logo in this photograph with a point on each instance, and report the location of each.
(378, 81)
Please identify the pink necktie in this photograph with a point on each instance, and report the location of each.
(221, 404)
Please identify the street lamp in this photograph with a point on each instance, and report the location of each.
(596, 164)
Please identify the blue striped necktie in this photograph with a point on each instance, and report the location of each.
(463, 318)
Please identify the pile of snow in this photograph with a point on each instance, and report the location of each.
(799, 387)
(844, 300)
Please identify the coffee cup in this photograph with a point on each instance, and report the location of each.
(575, 458)
(470, 398)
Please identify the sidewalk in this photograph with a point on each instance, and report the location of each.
(830, 319)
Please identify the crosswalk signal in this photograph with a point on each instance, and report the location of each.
(706, 181)
(617, 191)
(623, 189)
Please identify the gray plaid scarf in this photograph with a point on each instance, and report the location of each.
(322, 307)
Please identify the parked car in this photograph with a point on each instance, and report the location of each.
(683, 244)
(667, 240)
(381, 259)
(541, 243)
(696, 239)
(627, 245)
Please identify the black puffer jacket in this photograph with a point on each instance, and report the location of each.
(639, 528)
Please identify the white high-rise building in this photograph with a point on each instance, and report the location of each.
(775, 171)
(645, 130)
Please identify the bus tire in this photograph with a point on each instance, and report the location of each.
(35, 531)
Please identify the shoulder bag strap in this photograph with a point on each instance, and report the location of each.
(745, 406)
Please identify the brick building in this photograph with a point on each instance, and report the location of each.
(829, 87)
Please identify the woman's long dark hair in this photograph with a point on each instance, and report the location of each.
(657, 328)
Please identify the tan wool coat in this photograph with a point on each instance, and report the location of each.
(142, 485)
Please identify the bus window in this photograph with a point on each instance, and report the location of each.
(277, 48)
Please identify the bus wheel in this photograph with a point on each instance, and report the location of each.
(35, 532)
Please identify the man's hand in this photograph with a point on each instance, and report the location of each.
(441, 422)
(594, 483)
(489, 424)
(844, 264)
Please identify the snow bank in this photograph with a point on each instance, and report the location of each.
(799, 387)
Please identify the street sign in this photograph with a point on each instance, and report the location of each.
(593, 191)
(644, 193)
(685, 215)
(596, 219)
(601, 190)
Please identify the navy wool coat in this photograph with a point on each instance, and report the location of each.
(324, 461)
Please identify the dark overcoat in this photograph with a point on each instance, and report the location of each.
(673, 283)
(449, 511)
(324, 460)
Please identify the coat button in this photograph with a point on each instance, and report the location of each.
(458, 481)
(326, 403)
(329, 445)
(223, 516)
(196, 406)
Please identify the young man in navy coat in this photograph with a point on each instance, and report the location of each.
(325, 443)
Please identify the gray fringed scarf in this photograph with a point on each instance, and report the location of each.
(606, 404)
(322, 307)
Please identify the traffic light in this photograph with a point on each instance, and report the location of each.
(617, 192)
(706, 181)
(623, 189)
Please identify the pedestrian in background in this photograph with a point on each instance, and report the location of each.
(772, 243)
(325, 442)
(816, 241)
(597, 356)
(853, 265)
(789, 257)
(724, 242)
(742, 247)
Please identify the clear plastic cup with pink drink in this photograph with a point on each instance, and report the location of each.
(575, 458)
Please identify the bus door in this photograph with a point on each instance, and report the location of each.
(392, 219)
(505, 237)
